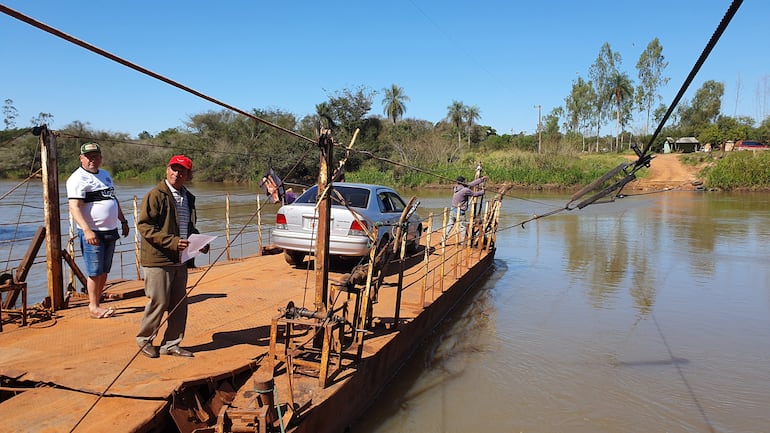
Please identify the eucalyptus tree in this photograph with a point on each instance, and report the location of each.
(579, 107)
(10, 113)
(763, 130)
(600, 72)
(621, 92)
(42, 119)
(650, 72)
(471, 115)
(551, 125)
(455, 115)
(393, 102)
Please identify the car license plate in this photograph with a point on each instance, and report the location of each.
(309, 223)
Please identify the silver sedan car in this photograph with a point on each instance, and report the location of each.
(375, 205)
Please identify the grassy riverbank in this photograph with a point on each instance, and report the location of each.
(522, 169)
(727, 171)
(731, 171)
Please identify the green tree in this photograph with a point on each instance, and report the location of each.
(325, 115)
(704, 109)
(650, 72)
(579, 107)
(348, 109)
(393, 102)
(411, 141)
(621, 91)
(10, 113)
(471, 115)
(601, 71)
(763, 130)
(42, 119)
(551, 125)
(659, 112)
(455, 115)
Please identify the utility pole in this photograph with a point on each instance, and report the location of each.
(539, 129)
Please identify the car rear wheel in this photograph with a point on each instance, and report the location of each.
(293, 258)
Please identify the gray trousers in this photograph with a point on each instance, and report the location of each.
(166, 287)
(457, 216)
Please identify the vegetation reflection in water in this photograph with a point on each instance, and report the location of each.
(646, 314)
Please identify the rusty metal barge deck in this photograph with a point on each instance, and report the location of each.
(53, 372)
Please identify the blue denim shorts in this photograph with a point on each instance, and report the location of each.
(98, 258)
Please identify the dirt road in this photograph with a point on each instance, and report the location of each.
(666, 171)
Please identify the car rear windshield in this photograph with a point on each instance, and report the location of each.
(355, 197)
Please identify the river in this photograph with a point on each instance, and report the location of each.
(651, 313)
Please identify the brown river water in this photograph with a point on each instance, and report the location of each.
(649, 314)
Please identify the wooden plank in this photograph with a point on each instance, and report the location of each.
(23, 269)
(75, 269)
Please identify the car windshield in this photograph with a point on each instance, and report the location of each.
(355, 197)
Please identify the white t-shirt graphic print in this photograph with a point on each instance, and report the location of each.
(96, 189)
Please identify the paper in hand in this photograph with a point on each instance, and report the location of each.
(196, 243)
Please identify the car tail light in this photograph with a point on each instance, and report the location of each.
(280, 221)
(357, 229)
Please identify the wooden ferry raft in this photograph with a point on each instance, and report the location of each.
(52, 373)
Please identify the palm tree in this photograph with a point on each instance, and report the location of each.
(393, 102)
(621, 89)
(472, 114)
(324, 112)
(456, 114)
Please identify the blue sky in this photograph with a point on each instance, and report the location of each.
(504, 57)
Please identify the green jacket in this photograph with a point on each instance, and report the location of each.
(159, 226)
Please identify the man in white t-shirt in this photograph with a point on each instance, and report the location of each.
(97, 212)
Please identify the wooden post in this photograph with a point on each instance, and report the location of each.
(74, 268)
(426, 259)
(400, 285)
(482, 229)
(23, 270)
(259, 225)
(137, 252)
(326, 147)
(71, 252)
(445, 238)
(457, 255)
(364, 298)
(52, 217)
(469, 228)
(227, 225)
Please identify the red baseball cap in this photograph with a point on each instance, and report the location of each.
(181, 160)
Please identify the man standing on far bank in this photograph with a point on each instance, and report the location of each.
(166, 220)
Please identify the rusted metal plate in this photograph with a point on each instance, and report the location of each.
(228, 330)
(51, 410)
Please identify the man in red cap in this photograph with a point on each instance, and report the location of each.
(166, 220)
